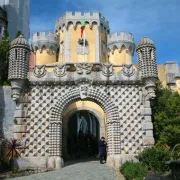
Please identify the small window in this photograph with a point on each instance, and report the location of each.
(15, 53)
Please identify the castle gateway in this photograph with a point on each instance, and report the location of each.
(91, 78)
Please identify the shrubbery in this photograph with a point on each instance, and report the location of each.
(154, 158)
(134, 171)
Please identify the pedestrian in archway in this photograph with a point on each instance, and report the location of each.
(102, 150)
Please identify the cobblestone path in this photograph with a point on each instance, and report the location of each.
(79, 171)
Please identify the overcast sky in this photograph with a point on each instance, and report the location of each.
(157, 19)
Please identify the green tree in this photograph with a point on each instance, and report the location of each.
(4, 50)
(166, 117)
(18, 34)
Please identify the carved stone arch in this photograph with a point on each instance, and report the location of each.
(93, 23)
(115, 46)
(96, 95)
(42, 47)
(68, 24)
(77, 23)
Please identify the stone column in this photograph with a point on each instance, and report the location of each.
(98, 43)
(67, 46)
(147, 125)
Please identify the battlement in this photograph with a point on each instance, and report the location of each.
(42, 39)
(42, 36)
(70, 17)
(123, 37)
(120, 40)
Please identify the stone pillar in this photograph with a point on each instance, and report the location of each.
(147, 125)
(98, 46)
(67, 46)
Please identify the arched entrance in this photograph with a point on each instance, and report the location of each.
(84, 92)
(82, 134)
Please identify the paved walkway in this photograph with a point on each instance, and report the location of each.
(79, 171)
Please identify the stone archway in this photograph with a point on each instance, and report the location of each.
(84, 92)
(99, 117)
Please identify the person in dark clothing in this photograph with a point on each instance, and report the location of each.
(102, 149)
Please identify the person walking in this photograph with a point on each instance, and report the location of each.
(102, 150)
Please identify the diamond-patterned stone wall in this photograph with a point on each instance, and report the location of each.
(122, 105)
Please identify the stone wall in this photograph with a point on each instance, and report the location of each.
(7, 108)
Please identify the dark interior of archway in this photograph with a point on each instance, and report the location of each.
(83, 135)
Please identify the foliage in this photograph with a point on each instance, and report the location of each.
(15, 121)
(18, 34)
(4, 49)
(166, 117)
(175, 153)
(154, 158)
(9, 152)
(132, 170)
(12, 150)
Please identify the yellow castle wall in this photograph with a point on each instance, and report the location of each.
(178, 85)
(118, 57)
(128, 58)
(91, 38)
(45, 57)
(61, 42)
(103, 37)
(162, 75)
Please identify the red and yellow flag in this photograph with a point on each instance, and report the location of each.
(83, 24)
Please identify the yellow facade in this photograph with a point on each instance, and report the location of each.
(74, 37)
(178, 85)
(117, 57)
(162, 75)
(81, 104)
(45, 57)
(61, 43)
(103, 55)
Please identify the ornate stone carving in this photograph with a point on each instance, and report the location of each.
(128, 70)
(150, 88)
(60, 70)
(16, 86)
(81, 49)
(107, 69)
(83, 91)
(83, 68)
(39, 71)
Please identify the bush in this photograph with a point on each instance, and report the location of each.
(154, 158)
(132, 170)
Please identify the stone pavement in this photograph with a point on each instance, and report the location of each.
(80, 171)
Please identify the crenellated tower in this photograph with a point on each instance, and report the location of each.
(68, 28)
(120, 48)
(45, 47)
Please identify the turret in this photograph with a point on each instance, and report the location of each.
(120, 48)
(146, 52)
(18, 65)
(45, 48)
(68, 27)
